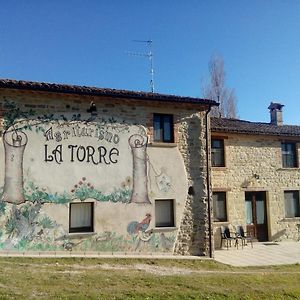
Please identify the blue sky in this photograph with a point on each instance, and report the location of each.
(85, 43)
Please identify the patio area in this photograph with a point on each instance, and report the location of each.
(262, 254)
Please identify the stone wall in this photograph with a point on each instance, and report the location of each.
(194, 233)
(254, 163)
(177, 166)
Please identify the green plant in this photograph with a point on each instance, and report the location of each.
(10, 226)
(82, 190)
(33, 193)
(25, 211)
(46, 222)
(12, 113)
(22, 244)
(2, 208)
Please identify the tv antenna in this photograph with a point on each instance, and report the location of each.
(149, 55)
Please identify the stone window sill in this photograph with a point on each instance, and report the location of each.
(289, 169)
(219, 168)
(162, 145)
(79, 235)
(162, 229)
(221, 222)
(291, 219)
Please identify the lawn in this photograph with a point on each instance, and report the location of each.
(87, 278)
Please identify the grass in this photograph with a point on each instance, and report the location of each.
(87, 278)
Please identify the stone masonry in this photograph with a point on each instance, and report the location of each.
(254, 163)
(193, 236)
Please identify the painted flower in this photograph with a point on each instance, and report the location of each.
(123, 185)
(83, 178)
(80, 182)
(76, 186)
(128, 180)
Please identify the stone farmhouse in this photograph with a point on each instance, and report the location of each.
(256, 176)
(104, 170)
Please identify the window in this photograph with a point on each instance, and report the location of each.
(163, 128)
(164, 213)
(81, 217)
(289, 157)
(219, 203)
(217, 153)
(292, 206)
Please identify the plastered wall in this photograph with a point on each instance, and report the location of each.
(54, 153)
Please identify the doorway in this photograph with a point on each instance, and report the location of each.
(256, 215)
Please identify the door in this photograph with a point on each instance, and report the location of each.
(256, 215)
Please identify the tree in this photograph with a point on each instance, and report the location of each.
(217, 91)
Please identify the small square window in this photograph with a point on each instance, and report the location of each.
(81, 217)
(164, 213)
(219, 203)
(289, 157)
(163, 128)
(292, 205)
(217, 153)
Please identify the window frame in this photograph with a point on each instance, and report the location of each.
(159, 118)
(83, 229)
(225, 206)
(284, 160)
(171, 224)
(297, 200)
(215, 150)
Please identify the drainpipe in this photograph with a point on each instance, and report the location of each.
(208, 185)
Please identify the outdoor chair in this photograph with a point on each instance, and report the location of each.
(244, 237)
(226, 235)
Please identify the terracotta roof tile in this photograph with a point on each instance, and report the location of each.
(94, 91)
(246, 127)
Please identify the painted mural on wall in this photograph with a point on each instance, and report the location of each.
(57, 159)
(60, 143)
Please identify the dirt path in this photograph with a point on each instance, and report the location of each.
(141, 267)
(170, 271)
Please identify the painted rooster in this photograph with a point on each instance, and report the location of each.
(134, 227)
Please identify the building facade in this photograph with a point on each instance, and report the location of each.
(89, 169)
(256, 176)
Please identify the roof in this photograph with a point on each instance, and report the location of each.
(94, 91)
(246, 127)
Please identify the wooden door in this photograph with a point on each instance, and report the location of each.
(256, 215)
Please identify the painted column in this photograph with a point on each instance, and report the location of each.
(14, 146)
(138, 144)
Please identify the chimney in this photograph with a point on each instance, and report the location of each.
(276, 113)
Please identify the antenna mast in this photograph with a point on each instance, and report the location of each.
(149, 55)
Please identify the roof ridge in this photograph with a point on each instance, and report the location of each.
(248, 127)
(255, 122)
(96, 91)
(240, 120)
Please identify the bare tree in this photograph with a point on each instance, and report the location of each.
(216, 90)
